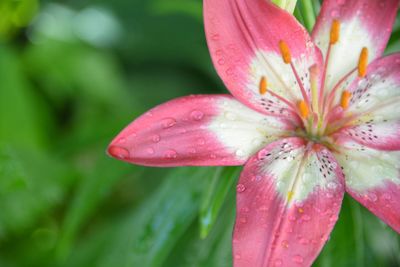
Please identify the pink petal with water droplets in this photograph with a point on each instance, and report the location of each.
(243, 38)
(288, 200)
(363, 24)
(372, 178)
(375, 105)
(196, 130)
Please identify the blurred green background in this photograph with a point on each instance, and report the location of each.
(72, 75)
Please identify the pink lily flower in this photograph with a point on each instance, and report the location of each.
(311, 117)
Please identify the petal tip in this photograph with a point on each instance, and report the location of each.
(118, 152)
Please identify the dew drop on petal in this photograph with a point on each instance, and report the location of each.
(150, 150)
(118, 152)
(168, 123)
(373, 197)
(278, 262)
(240, 153)
(334, 13)
(197, 115)
(285, 244)
(171, 154)
(230, 116)
(240, 188)
(201, 141)
(156, 138)
(298, 259)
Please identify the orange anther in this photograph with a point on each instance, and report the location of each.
(335, 32)
(284, 48)
(263, 85)
(363, 62)
(345, 100)
(303, 108)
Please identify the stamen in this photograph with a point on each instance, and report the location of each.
(303, 108)
(335, 32)
(284, 48)
(263, 85)
(363, 63)
(345, 100)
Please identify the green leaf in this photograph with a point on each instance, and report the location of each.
(222, 183)
(308, 13)
(151, 233)
(20, 116)
(93, 190)
(31, 184)
(213, 251)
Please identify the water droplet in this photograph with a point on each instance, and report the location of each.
(197, 115)
(335, 13)
(201, 141)
(150, 150)
(285, 244)
(373, 197)
(263, 208)
(118, 152)
(245, 209)
(240, 153)
(305, 217)
(304, 241)
(298, 259)
(171, 154)
(122, 140)
(156, 138)
(215, 37)
(332, 185)
(240, 188)
(168, 123)
(230, 116)
(237, 256)
(229, 71)
(243, 220)
(278, 262)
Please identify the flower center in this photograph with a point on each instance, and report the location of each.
(321, 111)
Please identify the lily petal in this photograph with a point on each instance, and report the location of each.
(288, 199)
(196, 130)
(372, 178)
(363, 23)
(243, 38)
(374, 105)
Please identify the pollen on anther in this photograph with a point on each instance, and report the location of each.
(335, 32)
(303, 108)
(285, 52)
(363, 62)
(263, 87)
(290, 195)
(345, 99)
